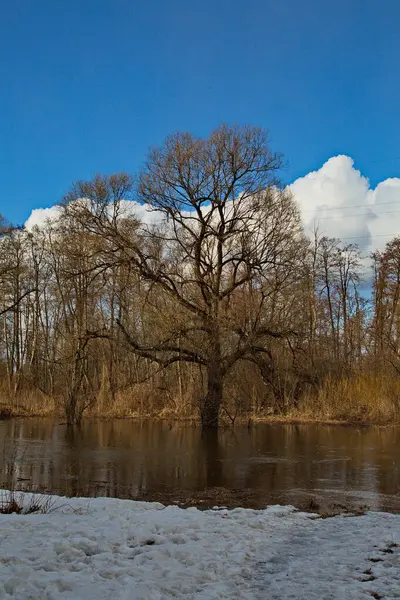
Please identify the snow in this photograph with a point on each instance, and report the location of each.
(103, 548)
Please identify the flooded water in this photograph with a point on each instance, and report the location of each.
(268, 464)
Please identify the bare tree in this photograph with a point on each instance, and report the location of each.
(190, 287)
(387, 304)
(224, 228)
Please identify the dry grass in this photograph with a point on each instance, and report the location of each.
(26, 404)
(363, 398)
(149, 400)
(12, 502)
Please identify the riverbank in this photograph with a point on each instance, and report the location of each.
(363, 400)
(96, 549)
(293, 418)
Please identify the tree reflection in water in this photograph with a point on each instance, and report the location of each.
(277, 463)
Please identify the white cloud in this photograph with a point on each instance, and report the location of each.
(336, 198)
(143, 212)
(339, 201)
(39, 216)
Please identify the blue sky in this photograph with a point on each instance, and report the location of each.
(89, 85)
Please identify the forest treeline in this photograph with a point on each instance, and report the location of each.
(211, 303)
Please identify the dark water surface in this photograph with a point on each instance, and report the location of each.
(268, 464)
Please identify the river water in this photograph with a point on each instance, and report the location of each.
(267, 464)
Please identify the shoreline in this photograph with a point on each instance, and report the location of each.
(9, 413)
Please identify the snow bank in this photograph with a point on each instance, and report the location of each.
(122, 550)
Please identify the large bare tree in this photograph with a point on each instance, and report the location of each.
(224, 242)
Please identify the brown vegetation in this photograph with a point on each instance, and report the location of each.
(365, 399)
(12, 502)
(217, 307)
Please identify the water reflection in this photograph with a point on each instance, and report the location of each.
(274, 463)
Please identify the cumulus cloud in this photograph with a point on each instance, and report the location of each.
(143, 212)
(39, 216)
(337, 199)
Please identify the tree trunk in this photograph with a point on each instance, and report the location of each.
(73, 409)
(211, 402)
(70, 409)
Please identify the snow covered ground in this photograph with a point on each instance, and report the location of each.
(122, 550)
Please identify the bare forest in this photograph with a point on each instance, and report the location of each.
(189, 290)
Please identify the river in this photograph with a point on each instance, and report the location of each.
(304, 465)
